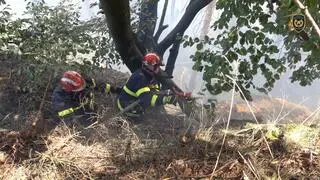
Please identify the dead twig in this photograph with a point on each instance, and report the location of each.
(225, 134)
(250, 108)
(250, 166)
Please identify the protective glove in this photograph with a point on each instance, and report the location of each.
(167, 92)
(171, 99)
(107, 88)
(88, 101)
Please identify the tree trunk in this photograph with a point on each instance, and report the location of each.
(118, 19)
(130, 48)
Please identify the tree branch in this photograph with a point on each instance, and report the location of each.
(161, 26)
(192, 9)
(173, 56)
(160, 30)
(147, 22)
(306, 12)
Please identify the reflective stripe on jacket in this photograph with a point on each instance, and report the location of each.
(140, 86)
(67, 103)
(68, 111)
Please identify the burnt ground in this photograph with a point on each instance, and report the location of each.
(165, 144)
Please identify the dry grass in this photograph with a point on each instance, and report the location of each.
(65, 156)
(168, 145)
(113, 150)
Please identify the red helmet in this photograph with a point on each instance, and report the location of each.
(152, 59)
(72, 81)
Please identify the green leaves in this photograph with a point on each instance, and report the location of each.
(263, 19)
(260, 43)
(241, 21)
(55, 34)
(311, 3)
(308, 46)
(199, 46)
(53, 37)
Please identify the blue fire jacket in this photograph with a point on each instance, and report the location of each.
(142, 86)
(66, 103)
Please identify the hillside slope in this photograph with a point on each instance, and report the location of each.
(165, 144)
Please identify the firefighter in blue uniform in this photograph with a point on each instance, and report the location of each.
(143, 86)
(72, 98)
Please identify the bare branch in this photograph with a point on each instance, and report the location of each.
(161, 27)
(160, 30)
(173, 56)
(306, 12)
(192, 9)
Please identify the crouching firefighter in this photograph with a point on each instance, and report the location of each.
(72, 99)
(142, 90)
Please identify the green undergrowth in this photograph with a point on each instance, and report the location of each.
(297, 134)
